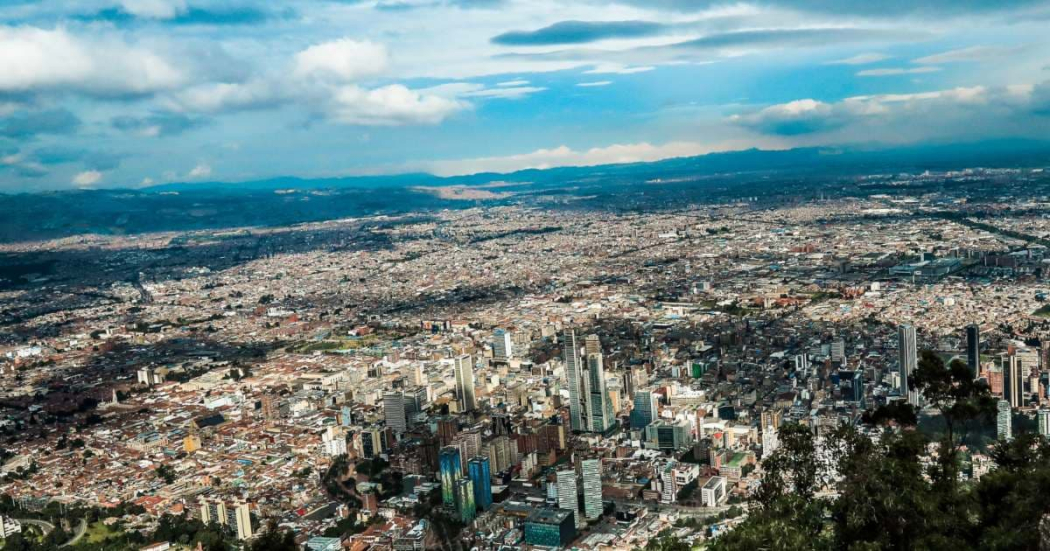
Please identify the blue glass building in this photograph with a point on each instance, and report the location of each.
(481, 475)
(451, 471)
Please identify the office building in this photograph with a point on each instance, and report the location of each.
(465, 505)
(451, 471)
(646, 409)
(1013, 381)
(1043, 417)
(550, 528)
(1004, 422)
(502, 345)
(592, 488)
(573, 369)
(973, 348)
(907, 355)
(394, 411)
(567, 494)
(713, 492)
(599, 413)
(668, 435)
(480, 475)
(464, 368)
(592, 345)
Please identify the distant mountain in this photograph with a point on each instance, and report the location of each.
(855, 158)
(671, 183)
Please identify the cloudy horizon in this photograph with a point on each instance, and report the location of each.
(129, 93)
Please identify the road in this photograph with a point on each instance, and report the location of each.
(81, 530)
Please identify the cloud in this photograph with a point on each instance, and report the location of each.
(156, 9)
(157, 124)
(217, 97)
(566, 156)
(344, 59)
(38, 59)
(897, 71)
(513, 83)
(392, 105)
(860, 59)
(955, 114)
(793, 118)
(617, 69)
(594, 84)
(199, 171)
(178, 12)
(58, 154)
(973, 53)
(882, 9)
(26, 124)
(579, 32)
(87, 178)
(776, 38)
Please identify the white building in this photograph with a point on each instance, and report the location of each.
(592, 488)
(713, 492)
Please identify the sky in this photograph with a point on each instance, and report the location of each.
(133, 93)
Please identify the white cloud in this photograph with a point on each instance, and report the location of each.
(860, 59)
(513, 83)
(616, 68)
(391, 105)
(223, 96)
(973, 53)
(200, 171)
(87, 178)
(36, 59)
(155, 9)
(897, 71)
(566, 156)
(513, 92)
(344, 59)
(594, 84)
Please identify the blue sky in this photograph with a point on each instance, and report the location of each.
(129, 93)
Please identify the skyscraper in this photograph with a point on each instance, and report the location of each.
(592, 344)
(464, 367)
(600, 414)
(973, 348)
(1013, 381)
(481, 475)
(451, 472)
(571, 353)
(394, 411)
(567, 498)
(908, 360)
(1043, 417)
(465, 500)
(645, 409)
(1004, 425)
(592, 488)
(502, 347)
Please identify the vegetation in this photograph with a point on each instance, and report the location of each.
(889, 497)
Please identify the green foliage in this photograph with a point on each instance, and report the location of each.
(888, 496)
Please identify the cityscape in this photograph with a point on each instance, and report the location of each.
(524, 275)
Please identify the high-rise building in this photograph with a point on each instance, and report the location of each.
(451, 471)
(551, 528)
(481, 475)
(464, 367)
(1013, 381)
(1004, 422)
(394, 411)
(908, 359)
(571, 354)
(592, 488)
(567, 494)
(645, 409)
(243, 516)
(465, 500)
(838, 351)
(973, 348)
(1044, 422)
(502, 345)
(600, 414)
(592, 344)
